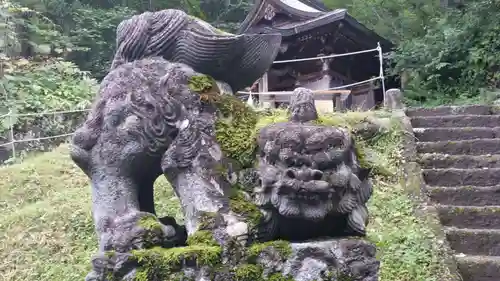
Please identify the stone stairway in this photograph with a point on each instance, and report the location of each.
(459, 152)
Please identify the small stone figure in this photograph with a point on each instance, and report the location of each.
(311, 183)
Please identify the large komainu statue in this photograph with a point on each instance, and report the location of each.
(155, 114)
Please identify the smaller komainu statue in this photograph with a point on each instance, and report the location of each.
(309, 181)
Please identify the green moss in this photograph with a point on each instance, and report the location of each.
(201, 83)
(206, 86)
(109, 254)
(150, 223)
(279, 277)
(240, 205)
(160, 263)
(141, 275)
(248, 272)
(283, 248)
(207, 220)
(202, 237)
(235, 130)
(343, 277)
(278, 115)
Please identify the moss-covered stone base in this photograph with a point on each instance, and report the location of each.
(326, 260)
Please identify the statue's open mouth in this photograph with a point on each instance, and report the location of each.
(306, 199)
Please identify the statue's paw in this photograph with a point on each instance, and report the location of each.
(112, 266)
(139, 230)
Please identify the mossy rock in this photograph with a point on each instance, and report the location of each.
(207, 220)
(206, 87)
(164, 264)
(248, 272)
(282, 247)
(235, 130)
(202, 237)
(241, 206)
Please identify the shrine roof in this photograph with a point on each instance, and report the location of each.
(301, 16)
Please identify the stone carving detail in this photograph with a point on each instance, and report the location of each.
(310, 176)
(177, 37)
(146, 122)
(269, 12)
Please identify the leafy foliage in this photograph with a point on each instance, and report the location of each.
(94, 32)
(456, 58)
(48, 85)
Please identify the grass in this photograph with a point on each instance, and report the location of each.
(47, 231)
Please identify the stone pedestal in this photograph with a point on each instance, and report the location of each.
(320, 260)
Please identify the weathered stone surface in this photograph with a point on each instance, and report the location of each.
(478, 268)
(434, 160)
(456, 121)
(177, 37)
(325, 260)
(485, 217)
(465, 195)
(475, 241)
(311, 182)
(450, 110)
(458, 147)
(471, 147)
(462, 177)
(153, 117)
(148, 121)
(455, 134)
(393, 99)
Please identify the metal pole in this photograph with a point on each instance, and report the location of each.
(381, 61)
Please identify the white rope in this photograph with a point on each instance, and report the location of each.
(250, 100)
(8, 143)
(14, 141)
(37, 139)
(43, 113)
(334, 88)
(357, 83)
(327, 57)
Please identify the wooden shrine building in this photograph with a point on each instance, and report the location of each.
(309, 29)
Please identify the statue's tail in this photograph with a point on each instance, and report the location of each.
(238, 60)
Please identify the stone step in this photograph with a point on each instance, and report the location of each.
(460, 133)
(436, 161)
(486, 217)
(470, 147)
(465, 195)
(461, 177)
(451, 110)
(478, 268)
(474, 241)
(456, 121)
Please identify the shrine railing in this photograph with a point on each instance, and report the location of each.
(263, 84)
